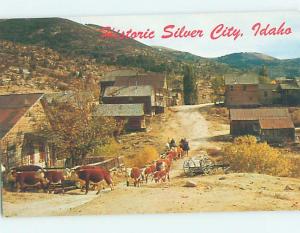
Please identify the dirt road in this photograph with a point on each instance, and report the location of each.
(232, 192)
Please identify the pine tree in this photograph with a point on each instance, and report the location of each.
(189, 86)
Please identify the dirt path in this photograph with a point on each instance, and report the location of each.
(232, 192)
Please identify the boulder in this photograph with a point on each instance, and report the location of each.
(190, 184)
(288, 188)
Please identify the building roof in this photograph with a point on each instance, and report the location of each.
(111, 76)
(124, 91)
(120, 110)
(276, 123)
(243, 79)
(266, 87)
(257, 113)
(289, 86)
(67, 96)
(156, 80)
(13, 107)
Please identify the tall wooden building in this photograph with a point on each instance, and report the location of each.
(22, 117)
(242, 91)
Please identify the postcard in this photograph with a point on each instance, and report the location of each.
(147, 114)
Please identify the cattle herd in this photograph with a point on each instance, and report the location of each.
(158, 171)
(88, 176)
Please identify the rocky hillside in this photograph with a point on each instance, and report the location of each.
(54, 54)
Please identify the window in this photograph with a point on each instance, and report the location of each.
(244, 88)
(231, 88)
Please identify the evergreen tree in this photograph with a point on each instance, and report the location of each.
(189, 86)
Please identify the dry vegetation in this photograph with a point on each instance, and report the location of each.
(146, 156)
(247, 155)
(295, 115)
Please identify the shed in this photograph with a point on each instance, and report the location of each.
(131, 95)
(276, 130)
(270, 124)
(133, 114)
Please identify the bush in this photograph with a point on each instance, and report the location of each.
(296, 117)
(246, 155)
(147, 155)
(110, 149)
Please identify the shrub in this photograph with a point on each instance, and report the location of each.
(246, 155)
(147, 155)
(296, 117)
(111, 148)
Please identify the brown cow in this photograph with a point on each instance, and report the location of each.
(165, 165)
(28, 168)
(94, 175)
(134, 173)
(160, 176)
(54, 177)
(28, 179)
(149, 171)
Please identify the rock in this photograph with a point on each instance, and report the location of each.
(288, 188)
(222, 178)
(190, 184)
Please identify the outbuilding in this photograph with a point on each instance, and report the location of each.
(269, 124)
(131, 114)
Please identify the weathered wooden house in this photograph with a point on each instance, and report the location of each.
(132, 114)
(268, 94)
(22, 117)
(269, 124)
(128, 78)
(110, 78)
(290, 92)
(131, 95)
(242, 91)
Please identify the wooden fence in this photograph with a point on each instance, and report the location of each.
(110, 164)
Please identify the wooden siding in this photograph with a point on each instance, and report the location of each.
(242, 95)
(32, 121)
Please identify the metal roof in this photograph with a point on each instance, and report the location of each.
(290, 86)
(13, 107)
(267, 86)
(276, 123)
(111, 76)
(156, 80)
(125, 91)
(243, 79)
(120, 110)
(257, 113)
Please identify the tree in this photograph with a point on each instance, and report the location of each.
(75, 132)
(189, 86)
(218, 86)
(264, 75)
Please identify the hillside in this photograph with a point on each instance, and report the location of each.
(52, 53)
(255, 61)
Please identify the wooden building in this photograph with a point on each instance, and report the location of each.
(22, 117)
(268, 94)
(269, 124)
(242, 91)
(131, 95)
(277, 130)
(110, 78)
(132, 114)
(128, 78)
(290, 92)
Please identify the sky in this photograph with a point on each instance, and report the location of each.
(279, 46)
